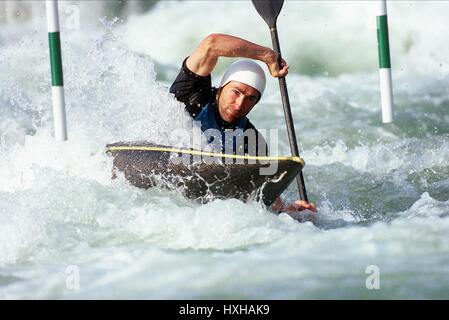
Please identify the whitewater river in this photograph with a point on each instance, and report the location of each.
(68, 231)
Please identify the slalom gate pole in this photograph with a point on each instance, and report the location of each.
(54, 40)
(386, 83)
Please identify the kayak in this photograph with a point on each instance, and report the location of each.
(204, 176)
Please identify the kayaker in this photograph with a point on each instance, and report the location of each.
(226, 107)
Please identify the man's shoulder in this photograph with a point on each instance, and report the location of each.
(193, 90)
(190, 73)
(189, 80)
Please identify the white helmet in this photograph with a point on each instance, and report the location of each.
(247, 72)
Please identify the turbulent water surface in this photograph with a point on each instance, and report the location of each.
(68, 231)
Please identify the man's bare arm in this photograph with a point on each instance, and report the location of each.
(205, 57)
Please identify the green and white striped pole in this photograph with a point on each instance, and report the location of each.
(54, 40)
(386, 83)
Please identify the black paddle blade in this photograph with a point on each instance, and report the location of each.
(268, 10)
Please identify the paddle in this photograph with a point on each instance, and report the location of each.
(269, 11)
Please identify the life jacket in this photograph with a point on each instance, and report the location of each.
(208, 121)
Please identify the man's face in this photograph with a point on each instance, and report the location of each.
(236, 100)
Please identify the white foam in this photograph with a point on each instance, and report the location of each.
(383, 158)
(425, 207)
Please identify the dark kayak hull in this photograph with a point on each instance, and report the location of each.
(204, 176)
